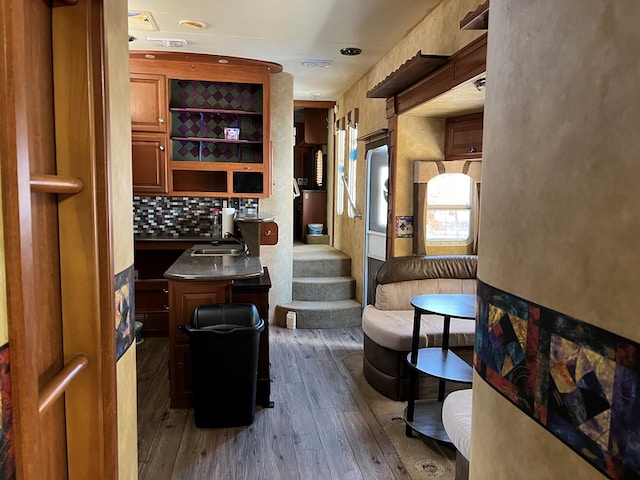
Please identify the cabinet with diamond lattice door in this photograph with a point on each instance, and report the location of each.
(218, 132)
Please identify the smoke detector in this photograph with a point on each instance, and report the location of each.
(168, 42)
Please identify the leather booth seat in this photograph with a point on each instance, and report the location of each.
(388, 323)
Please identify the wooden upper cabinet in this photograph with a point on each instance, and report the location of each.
(215, 121)
(149, 163)
(148, 103)
(316, 129)
(463, 137)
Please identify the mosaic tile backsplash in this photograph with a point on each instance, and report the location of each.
(179, 216)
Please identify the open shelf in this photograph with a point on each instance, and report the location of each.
(443, 364)
(427, 420)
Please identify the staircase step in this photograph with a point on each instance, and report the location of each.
(338, 266)
(335, 314)
(323, 288)
(320, 261)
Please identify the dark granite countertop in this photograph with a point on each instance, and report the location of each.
(212, 268)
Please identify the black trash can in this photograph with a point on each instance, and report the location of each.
(224, 340)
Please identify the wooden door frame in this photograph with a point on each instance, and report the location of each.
(87, 277)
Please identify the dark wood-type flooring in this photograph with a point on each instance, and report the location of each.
(320, 428)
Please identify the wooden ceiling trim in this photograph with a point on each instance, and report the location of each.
(414, 69)
(477, 19)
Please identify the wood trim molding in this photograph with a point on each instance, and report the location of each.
(478, 19)
(407, 74)
(466, 63)
(85, 238)
(313, 104)
(15, 151)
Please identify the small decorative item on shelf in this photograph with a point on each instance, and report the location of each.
(231, 133)
(315, 228)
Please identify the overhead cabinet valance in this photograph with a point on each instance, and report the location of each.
(424, 77)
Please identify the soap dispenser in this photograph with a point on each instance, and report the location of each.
(216, 226)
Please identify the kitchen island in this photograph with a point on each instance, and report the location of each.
(202, 275)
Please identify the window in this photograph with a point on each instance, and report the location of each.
(340, 148)
(353, 162)
(450, 209)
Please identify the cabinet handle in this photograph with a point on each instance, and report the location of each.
(268, 233)
(161, 148)
(165, 290)
(161, 120)
(166, 307)
(472, 149)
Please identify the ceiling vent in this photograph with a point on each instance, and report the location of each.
(316, 63)
(140, 20)
(167, 42)
(350, 51)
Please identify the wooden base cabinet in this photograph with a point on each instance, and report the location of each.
(152, 307)
(184, 297)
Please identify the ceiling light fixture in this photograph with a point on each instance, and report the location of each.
(350, 51)
(314, 95)
(167, 42)
(480, 84)
(316, 63)
(192, 24)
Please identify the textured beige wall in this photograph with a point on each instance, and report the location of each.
(439, 34)
(120, 134)
(418, 139)
(121, 218)
(127, 416)
(279, 258)
(559, 217)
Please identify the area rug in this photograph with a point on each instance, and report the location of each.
(423, 459)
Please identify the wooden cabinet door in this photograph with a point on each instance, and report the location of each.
(152, 307)
(180, 377)
(463, 137)
(149, 163)
(184, 297)
(316, 130)
(148, 103)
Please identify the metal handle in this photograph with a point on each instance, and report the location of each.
(165, 290)
(161, 148)
(472, 149)
(161, 120)
(268, 233)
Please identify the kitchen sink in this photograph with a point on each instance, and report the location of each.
(219, 247)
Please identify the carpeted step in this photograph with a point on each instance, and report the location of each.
(335, 314)
(320, 261)
(325, 288)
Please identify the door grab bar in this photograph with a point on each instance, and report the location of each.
(351, 202)
(58, 384)
(55, 184)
